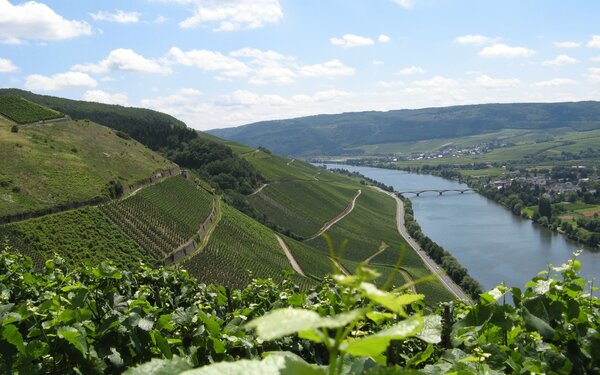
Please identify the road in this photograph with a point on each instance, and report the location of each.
(330, 223)
(430, 263)
(290, 257)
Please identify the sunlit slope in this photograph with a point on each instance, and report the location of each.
(23, 111)
(69, 161)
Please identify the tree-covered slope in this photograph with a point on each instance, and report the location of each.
(336, 134)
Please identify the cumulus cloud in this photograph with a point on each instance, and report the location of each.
(7, 66)
(437, 82)
(474, 39)
(596, 59)
(123, 59)
(230, 15)
(390, 84)
(411, 70)
(567, 44)
(329, 69)
(382, 38)
(351, 40)
(406, 4)
(242, 98)
(12, 41)
(505, 51)
(555, 82)
(105, 97)
(560, 60)
(118, 16)
(594, 42)
(33, 20)
(326, 95)
(378, 62)
(488, 82)
(209, 61)
(59, 81)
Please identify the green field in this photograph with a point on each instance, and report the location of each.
(73, 161)
(276, 168)
(23, 111)
(163, 216)
(80, 236)
(303, 207)
(239, 250)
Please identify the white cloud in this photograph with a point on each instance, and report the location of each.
(411, 70)
(555, 82)
(560, 60)
(351, 40)
(486, 81)
(505, 51)
(33, 20)
(59, 81)
(390, 84)
(594, 75)
(105, 97)
(326, 95)
(406, 4)
(118, 16)
(437, 82)
(596, 59)
(125, 60)
(329, 69)
(210, 61)
(378, 62)
(382, 38)
(160, 19)
(594, 42)
(242, 98)
(567, 44)
(475, 39)
(232, 15)
(6, 66)
(12, 41)
(268, 67)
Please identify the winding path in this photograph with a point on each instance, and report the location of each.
(339, 217)
(259, 189)
(430, 263)
(290, 257)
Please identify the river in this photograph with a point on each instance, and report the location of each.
(486, 238)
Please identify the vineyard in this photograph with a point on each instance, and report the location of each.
(239, 250)
(303, 207)
(23, 111)
(162, 216)
(80, 236)
(274, 167)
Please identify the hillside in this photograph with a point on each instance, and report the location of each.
(66, 162)
(23, 111)
(349, 133)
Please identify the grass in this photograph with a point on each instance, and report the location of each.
(239, 250)
(23, 111)
(161, 217)
(52, 164)
(80, 236)
(303, 207)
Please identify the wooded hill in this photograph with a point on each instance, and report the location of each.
(344, 134)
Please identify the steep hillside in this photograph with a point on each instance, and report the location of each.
(346, 133)
(22, 111)
(66, 162)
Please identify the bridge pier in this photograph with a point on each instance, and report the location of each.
(418, 194)
(440, 192)
(462, 191)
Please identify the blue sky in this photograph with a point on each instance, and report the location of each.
(223, 63)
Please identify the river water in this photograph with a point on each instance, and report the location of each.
(486, 238)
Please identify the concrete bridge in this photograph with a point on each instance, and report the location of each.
(439, 191)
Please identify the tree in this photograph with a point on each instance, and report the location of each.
(545, 208)
(14, 129)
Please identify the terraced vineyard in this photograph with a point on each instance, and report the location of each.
(163, 216)
(238, 245)
(303, 207)
(80, 236)
(23, 111)
(274, 167)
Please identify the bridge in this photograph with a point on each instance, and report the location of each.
(439, 191)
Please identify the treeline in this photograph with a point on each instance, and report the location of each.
(364, 180)
(453, 268)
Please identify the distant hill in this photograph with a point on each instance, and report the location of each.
(343, 134)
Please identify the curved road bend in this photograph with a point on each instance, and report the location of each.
(330, 223)
(430, 263)
(290, 257)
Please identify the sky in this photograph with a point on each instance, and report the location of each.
(223, 63)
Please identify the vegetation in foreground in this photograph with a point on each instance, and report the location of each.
(102, 319)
